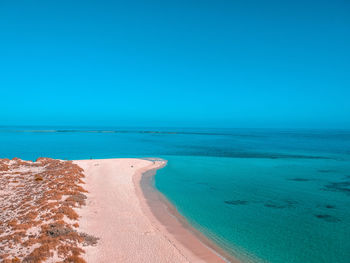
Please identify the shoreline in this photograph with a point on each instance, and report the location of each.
(175, 224)
(108, 207)
(127, 221)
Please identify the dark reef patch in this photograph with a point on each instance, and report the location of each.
(281, 204)
(343, 187)
(298, 179)
(236, 202)
(219, 151)
(327, 218)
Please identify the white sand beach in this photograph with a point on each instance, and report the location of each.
(117, 213)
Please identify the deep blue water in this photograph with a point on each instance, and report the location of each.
(264, 195)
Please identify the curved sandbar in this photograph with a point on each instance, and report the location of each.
(118, 212)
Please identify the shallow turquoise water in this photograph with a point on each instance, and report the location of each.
(264, 195)
(264, 210)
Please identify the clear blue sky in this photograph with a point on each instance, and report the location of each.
(175, 63)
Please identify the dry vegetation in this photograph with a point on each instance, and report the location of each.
(38, 220)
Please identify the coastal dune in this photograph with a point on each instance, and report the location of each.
(118, 213)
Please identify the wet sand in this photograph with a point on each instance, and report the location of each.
(134, 222)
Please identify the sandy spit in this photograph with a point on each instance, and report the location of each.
(118, 213)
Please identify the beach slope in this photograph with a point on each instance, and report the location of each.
(119, 215)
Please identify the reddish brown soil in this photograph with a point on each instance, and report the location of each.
(37, 218)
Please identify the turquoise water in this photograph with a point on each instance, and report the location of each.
(265, 210)
(264, 195)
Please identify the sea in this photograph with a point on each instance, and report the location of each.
(263, 195)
